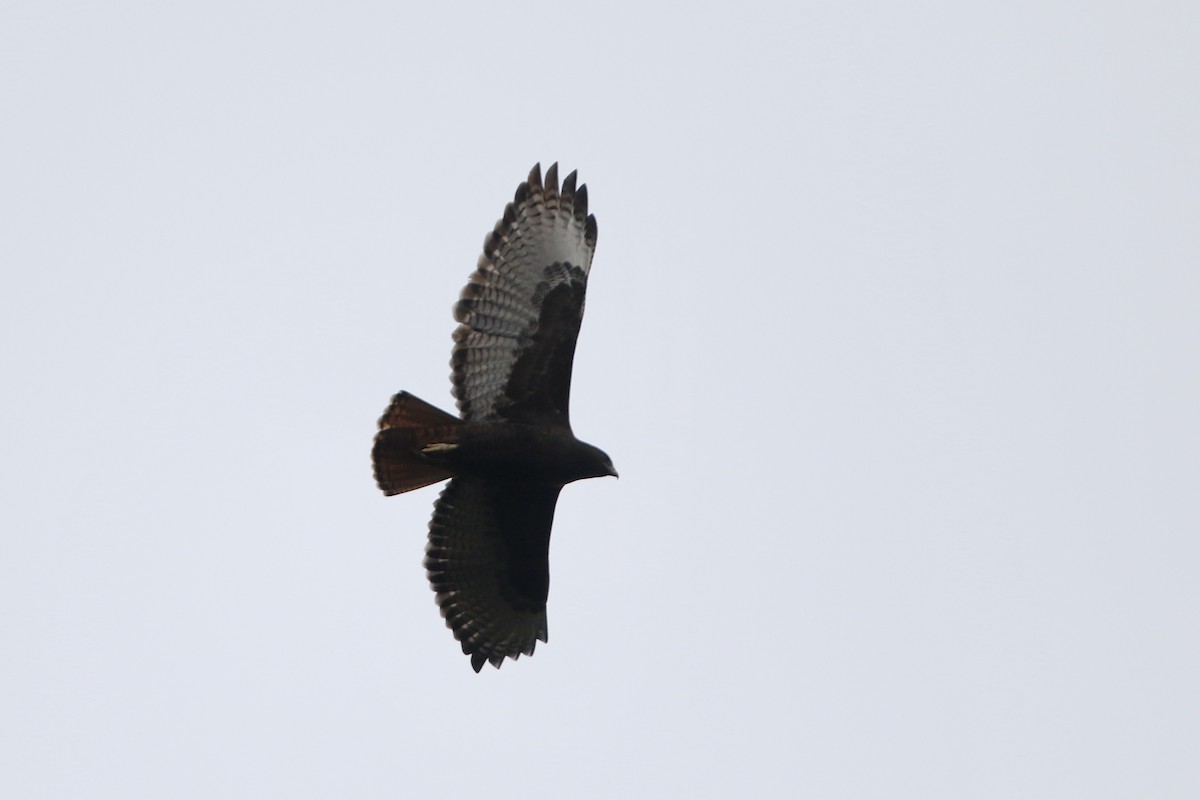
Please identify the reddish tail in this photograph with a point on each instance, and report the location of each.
(408, 425)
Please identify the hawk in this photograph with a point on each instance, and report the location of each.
(511, 449)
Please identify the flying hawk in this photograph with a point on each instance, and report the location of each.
(512, 450)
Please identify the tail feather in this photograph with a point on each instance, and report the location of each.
(407, 426)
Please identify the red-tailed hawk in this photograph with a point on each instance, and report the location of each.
(512, 451)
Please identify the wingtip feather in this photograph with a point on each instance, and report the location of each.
(568, 186)
(581, 202)
(534, 181)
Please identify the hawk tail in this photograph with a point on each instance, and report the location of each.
(406, 430)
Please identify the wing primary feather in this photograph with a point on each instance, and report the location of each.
(581, 202)
(551, 182)
(568, 186)
(589, 232)
(522, 194)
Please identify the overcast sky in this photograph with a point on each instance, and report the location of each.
(893, 333)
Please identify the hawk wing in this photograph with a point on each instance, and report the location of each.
(521, 310)
(488, 561)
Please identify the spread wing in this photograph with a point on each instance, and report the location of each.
(521, 310)
(488, 560)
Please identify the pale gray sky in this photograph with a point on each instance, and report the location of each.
(893, 333)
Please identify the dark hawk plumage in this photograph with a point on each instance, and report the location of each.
(511, 450)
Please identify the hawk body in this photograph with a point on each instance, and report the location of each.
(511, 450)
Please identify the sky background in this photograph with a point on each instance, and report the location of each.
(893, 333)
